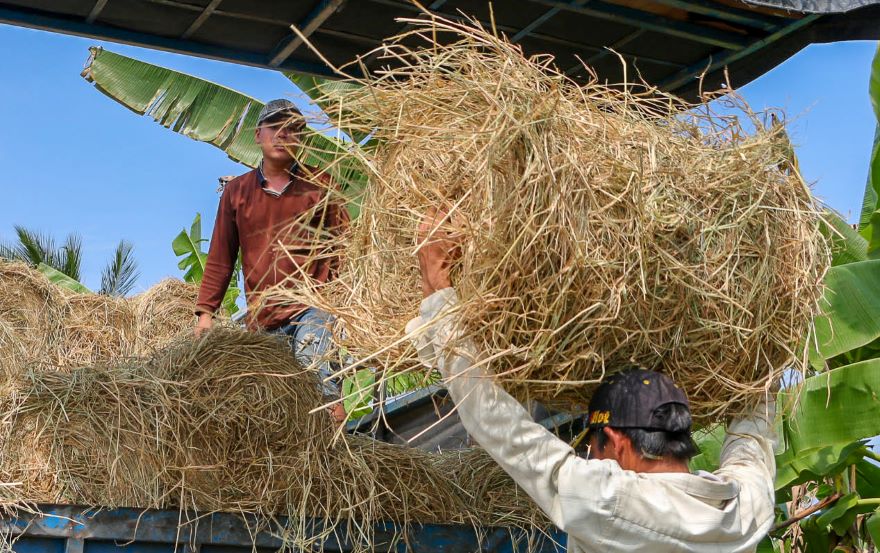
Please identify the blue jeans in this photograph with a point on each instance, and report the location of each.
(311, 339)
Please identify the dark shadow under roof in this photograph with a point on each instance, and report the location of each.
(669, 43)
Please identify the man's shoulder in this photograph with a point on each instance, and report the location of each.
(238, 182)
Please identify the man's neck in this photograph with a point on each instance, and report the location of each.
(273, 170)
(277, 176)
(661, 465)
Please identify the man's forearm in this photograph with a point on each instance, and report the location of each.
(500, 424)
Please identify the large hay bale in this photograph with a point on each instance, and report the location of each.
(97, 329)
(165, 312)
(600, 227)
(233, 405)
(31, 315)
(224, 423)
(85, 436)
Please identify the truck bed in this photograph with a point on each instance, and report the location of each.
(77, 529)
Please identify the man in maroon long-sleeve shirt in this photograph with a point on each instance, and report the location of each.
(283, 217)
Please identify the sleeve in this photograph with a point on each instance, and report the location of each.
(747, 457)
(221, 256)
(529, 453)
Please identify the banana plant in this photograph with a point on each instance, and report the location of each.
(828, 478)
(212, 113)
(188, 247)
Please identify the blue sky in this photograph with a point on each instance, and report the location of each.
(75, 161)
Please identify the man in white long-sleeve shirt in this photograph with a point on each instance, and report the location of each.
(628, 496)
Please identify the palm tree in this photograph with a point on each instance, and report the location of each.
(34, 248)
(62, 264)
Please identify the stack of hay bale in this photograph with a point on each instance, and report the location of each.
(43, 324)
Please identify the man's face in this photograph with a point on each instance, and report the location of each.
(278, 137)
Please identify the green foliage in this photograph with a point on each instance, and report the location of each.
(188, 247)
(873, 526)
(847, 245)
(57, 277)
(209, 112)
(61, 265)
(870, 217)
(709, 440)
(120, 275)
(851, 308)
(34, 248)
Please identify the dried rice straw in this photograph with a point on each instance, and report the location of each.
(602, 226)
(164, 312)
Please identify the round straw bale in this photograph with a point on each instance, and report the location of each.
(86, 436)
(598, 227)
(164, 312)
(98, 328)
(233, 404)
(31, 314)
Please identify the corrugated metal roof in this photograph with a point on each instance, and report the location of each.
(667, 42)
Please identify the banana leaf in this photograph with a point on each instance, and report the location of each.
(57, 277)
(318, 88)
(188, 247)
(852, 311)
(709, 440)
(209, 112)
(824, 421)
(847, 245)
(872, 525)
(869, 223)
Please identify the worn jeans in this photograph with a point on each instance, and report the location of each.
(311, 339)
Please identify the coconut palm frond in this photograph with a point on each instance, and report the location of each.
(70, 256)
(119, 276)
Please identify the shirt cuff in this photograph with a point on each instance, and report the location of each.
(420, 329)
(434, 303)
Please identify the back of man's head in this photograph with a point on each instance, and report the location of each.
(647, 408)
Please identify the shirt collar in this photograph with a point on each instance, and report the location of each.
(261, 178)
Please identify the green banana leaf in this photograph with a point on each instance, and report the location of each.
(57, 277)
(319, 89)
(870, 217)
(847, 245)
(208, 112)
(852, 311)
(188, 247)
(873, 527)
(709, 440)
(824, 420)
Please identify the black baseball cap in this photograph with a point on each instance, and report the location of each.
(630, 398)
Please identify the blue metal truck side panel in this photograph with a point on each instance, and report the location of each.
(74, 529)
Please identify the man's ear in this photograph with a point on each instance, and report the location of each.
(619, 443)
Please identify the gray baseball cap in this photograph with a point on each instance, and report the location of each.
(276, 107)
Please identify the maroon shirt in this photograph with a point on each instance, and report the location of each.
(281, 235)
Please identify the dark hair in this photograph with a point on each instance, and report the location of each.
(660, 444)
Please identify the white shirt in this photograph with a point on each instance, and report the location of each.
(603, 508)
